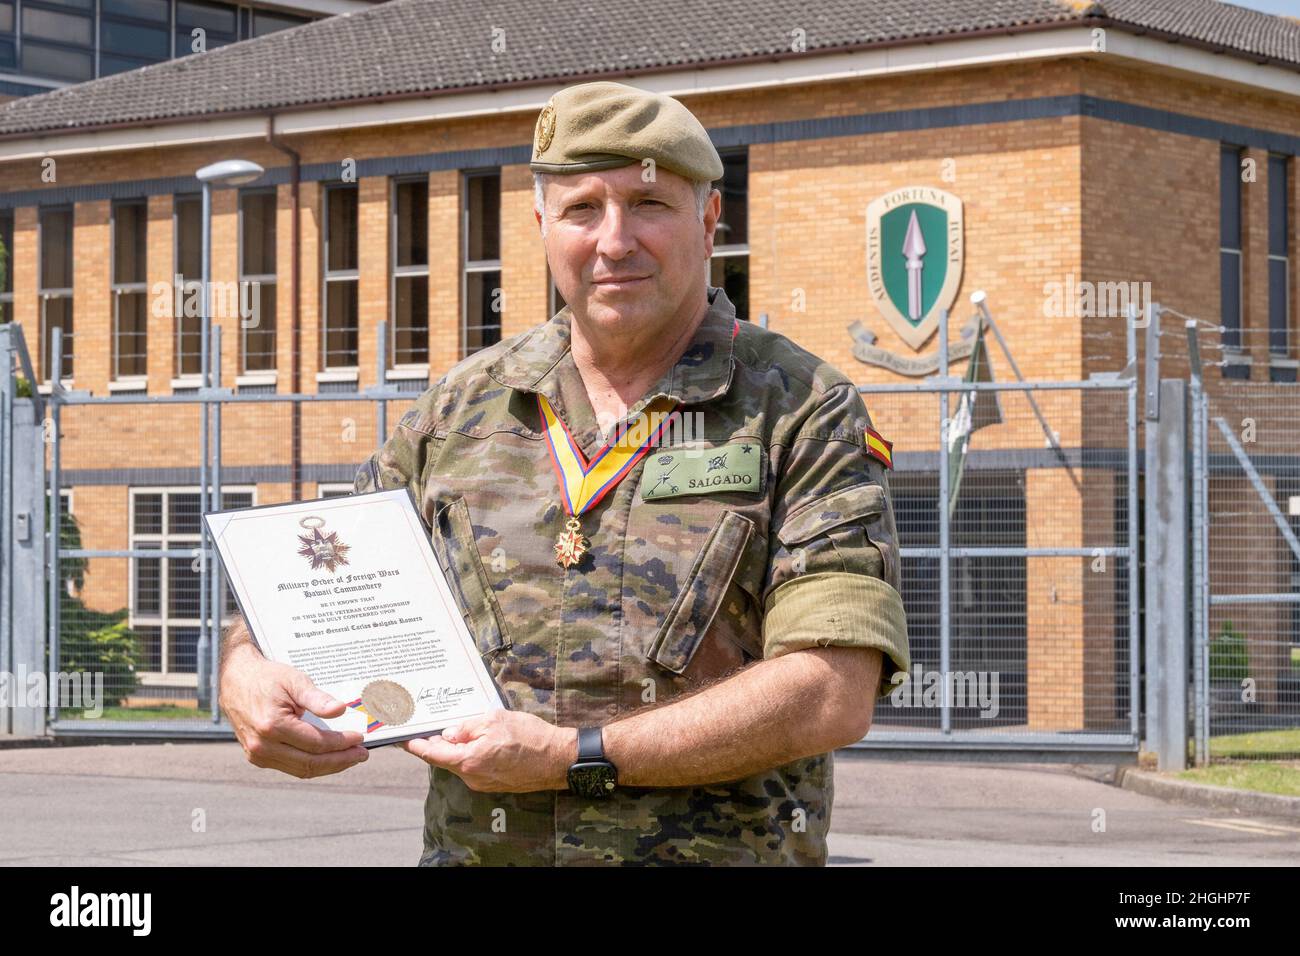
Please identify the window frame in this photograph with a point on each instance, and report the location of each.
(165, 539)
(338, 277)
(397, 272)
(7, 230)
(1285, 348)
(46, 294)
(119, 289)
(178, 357)
(1232, 342)
(469, 266)
(56, 45)
(262, 279)
(736, 250)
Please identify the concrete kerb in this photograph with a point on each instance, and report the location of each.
(1207, 795)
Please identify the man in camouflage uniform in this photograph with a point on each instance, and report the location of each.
(737, 612)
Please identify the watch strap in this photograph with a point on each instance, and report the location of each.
(591, 745)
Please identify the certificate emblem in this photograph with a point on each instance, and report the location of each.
(388, 701)
(322, 550)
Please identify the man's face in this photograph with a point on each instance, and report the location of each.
(627, 253)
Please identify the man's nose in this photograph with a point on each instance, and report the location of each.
(615, 239)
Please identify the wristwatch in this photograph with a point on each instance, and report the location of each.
(592, 776)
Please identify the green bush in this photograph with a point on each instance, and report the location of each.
(109, 650)
(89, 640)
(1228, 657)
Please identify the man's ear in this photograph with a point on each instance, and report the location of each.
(712, 213)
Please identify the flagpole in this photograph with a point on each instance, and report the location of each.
(980, 301)
(945, 532)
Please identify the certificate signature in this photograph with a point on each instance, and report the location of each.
(443, 695)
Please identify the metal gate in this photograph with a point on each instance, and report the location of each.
(135, 595)
(1246, 567)
(1018, 522)
(1016, 503)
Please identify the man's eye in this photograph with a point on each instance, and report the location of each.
(655, 201)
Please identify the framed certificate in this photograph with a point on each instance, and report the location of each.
(349, 591)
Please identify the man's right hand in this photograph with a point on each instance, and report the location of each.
(264, 702)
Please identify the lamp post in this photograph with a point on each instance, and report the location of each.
(229, 172)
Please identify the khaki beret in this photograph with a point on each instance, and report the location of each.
(605, 125)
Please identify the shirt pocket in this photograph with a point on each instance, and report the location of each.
(857, 503)
(680, 644)
(848, 530)
(458, 554)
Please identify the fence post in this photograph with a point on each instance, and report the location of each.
(28, 554)
(22, 539)
(1168, 591)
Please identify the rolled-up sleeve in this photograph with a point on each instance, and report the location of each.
(833, 572)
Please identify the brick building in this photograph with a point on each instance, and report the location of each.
(1097, 142)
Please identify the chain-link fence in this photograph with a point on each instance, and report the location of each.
(133, 586)
(1016, 511)
(1015, 505)
(1245, 446)
(1243, 481)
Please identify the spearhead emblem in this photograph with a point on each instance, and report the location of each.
(914, 251)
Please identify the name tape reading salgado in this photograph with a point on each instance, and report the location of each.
(709, 471)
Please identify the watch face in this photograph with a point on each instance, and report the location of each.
(592, 780)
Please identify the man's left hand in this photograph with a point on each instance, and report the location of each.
(505, 751)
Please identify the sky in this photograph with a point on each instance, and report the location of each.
(1289, 7)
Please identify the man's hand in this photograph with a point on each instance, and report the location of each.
(265, 702)
(505, 751)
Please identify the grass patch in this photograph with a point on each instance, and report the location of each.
(139, 713)
(1257, 744)
(1260, 776)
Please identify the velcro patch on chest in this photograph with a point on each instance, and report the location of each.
(703, 471)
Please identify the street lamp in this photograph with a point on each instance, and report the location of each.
(228, 172)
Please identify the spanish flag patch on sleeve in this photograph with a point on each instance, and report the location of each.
(878, 448)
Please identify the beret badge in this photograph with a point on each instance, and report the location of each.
(545, 128)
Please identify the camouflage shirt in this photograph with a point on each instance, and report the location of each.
(690, 575)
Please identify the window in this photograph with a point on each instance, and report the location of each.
(218, 23)
(187, 219)
(1279, 260)
(58, 38)
(340, 306)
(730, 265)
(1230, 275)
(8, 35)
(133, 33)
(6, 265)
(264, 22)
(130, 290)
(56, 286)
(410, 258)
(481, 322)
(333, 490)
(165, 595)
(257, 212)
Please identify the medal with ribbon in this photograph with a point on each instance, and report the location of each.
(584, 483)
